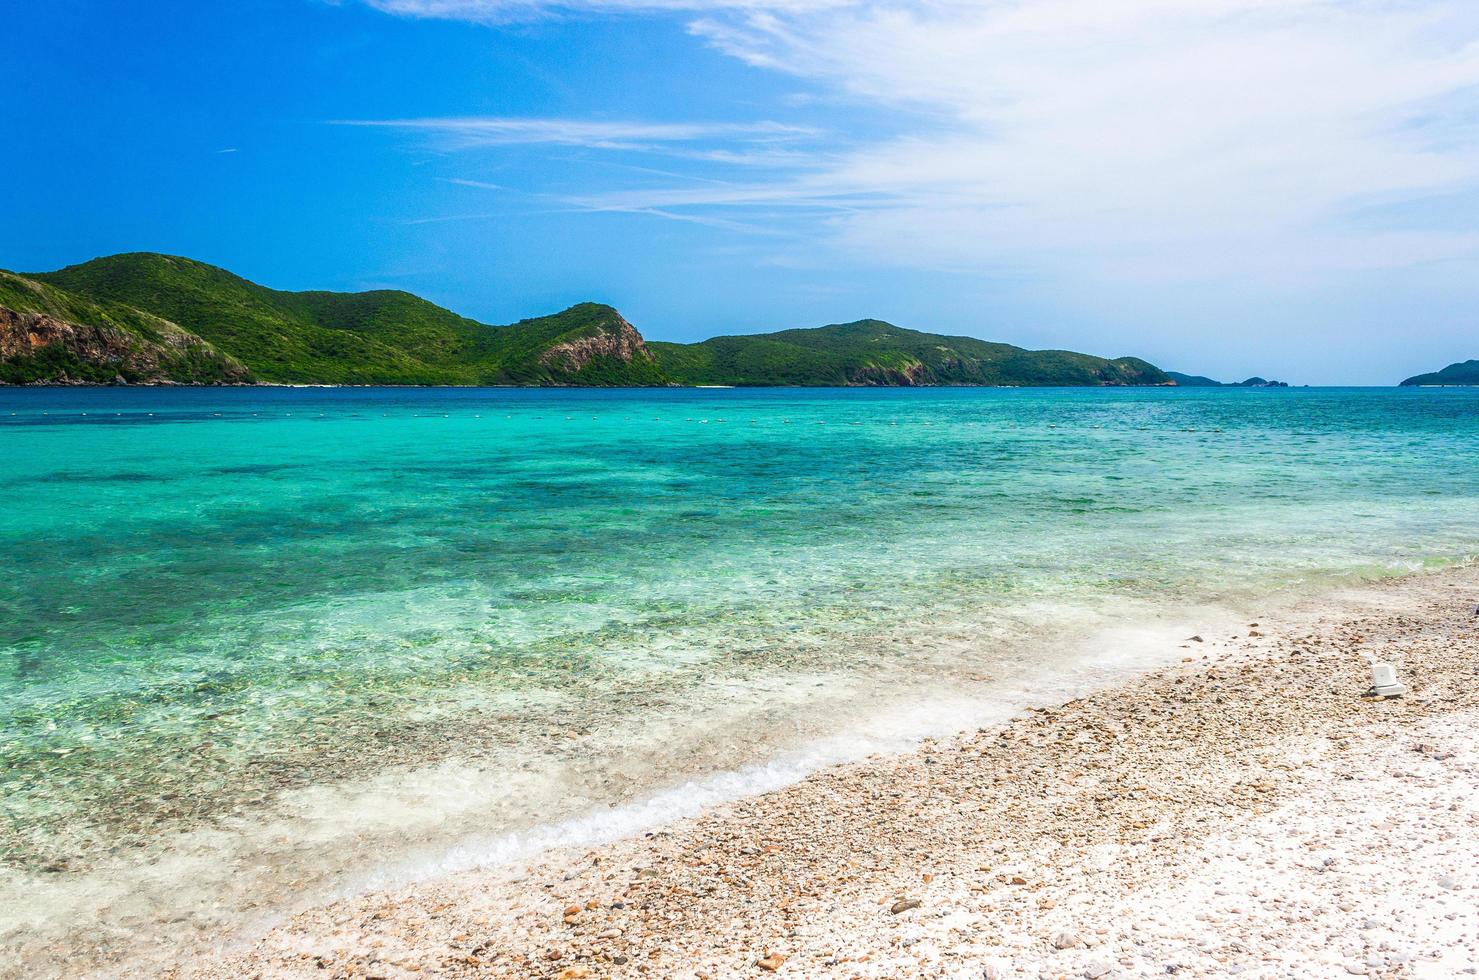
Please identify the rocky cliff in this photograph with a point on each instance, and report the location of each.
(41, 347)
(611, 337)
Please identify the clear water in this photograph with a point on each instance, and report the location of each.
(234, 615)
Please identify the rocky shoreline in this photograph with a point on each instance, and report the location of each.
(1245, 812)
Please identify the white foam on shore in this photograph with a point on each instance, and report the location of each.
(246, 874)
(340, 839)
(1109, 656)
(896, 733)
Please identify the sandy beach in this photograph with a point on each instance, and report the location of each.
(1245, 811)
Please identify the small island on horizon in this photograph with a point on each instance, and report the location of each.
(1197, 381)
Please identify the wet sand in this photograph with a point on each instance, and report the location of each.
(1246, 811)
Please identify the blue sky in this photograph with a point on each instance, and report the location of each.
(1230, 187)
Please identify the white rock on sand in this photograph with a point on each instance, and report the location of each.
(1245, 815)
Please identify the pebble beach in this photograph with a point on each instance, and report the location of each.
(1245, 811)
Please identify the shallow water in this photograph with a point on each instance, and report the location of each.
(228, 616)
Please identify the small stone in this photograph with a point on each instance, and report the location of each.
(904, 905)
(1065, 940)
(1096, 970)
(770, 963)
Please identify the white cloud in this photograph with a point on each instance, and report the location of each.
(503, 11)
(479, 184)
(472, 131)
(1122, 137)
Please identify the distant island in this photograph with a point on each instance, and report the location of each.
(145, 318)
(1462, 373)
(1197, 381)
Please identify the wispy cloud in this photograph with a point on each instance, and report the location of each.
(479, 184)
(443, 218)
(1189, 138)
(504, 11)
(750, 143)
(706, 220)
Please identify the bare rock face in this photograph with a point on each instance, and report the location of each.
(910, 375)
(614, 338)
(26, 333)
(173, 355)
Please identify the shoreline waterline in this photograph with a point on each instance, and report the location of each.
(309, 846)
(1100, 661)
(701, 892)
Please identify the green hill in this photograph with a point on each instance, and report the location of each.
(48, 334)
(872, 352)
(1462, 373)
(1193, 380)
(186, 321)
(378, 337)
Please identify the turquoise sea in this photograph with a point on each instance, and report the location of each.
(257, 640)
